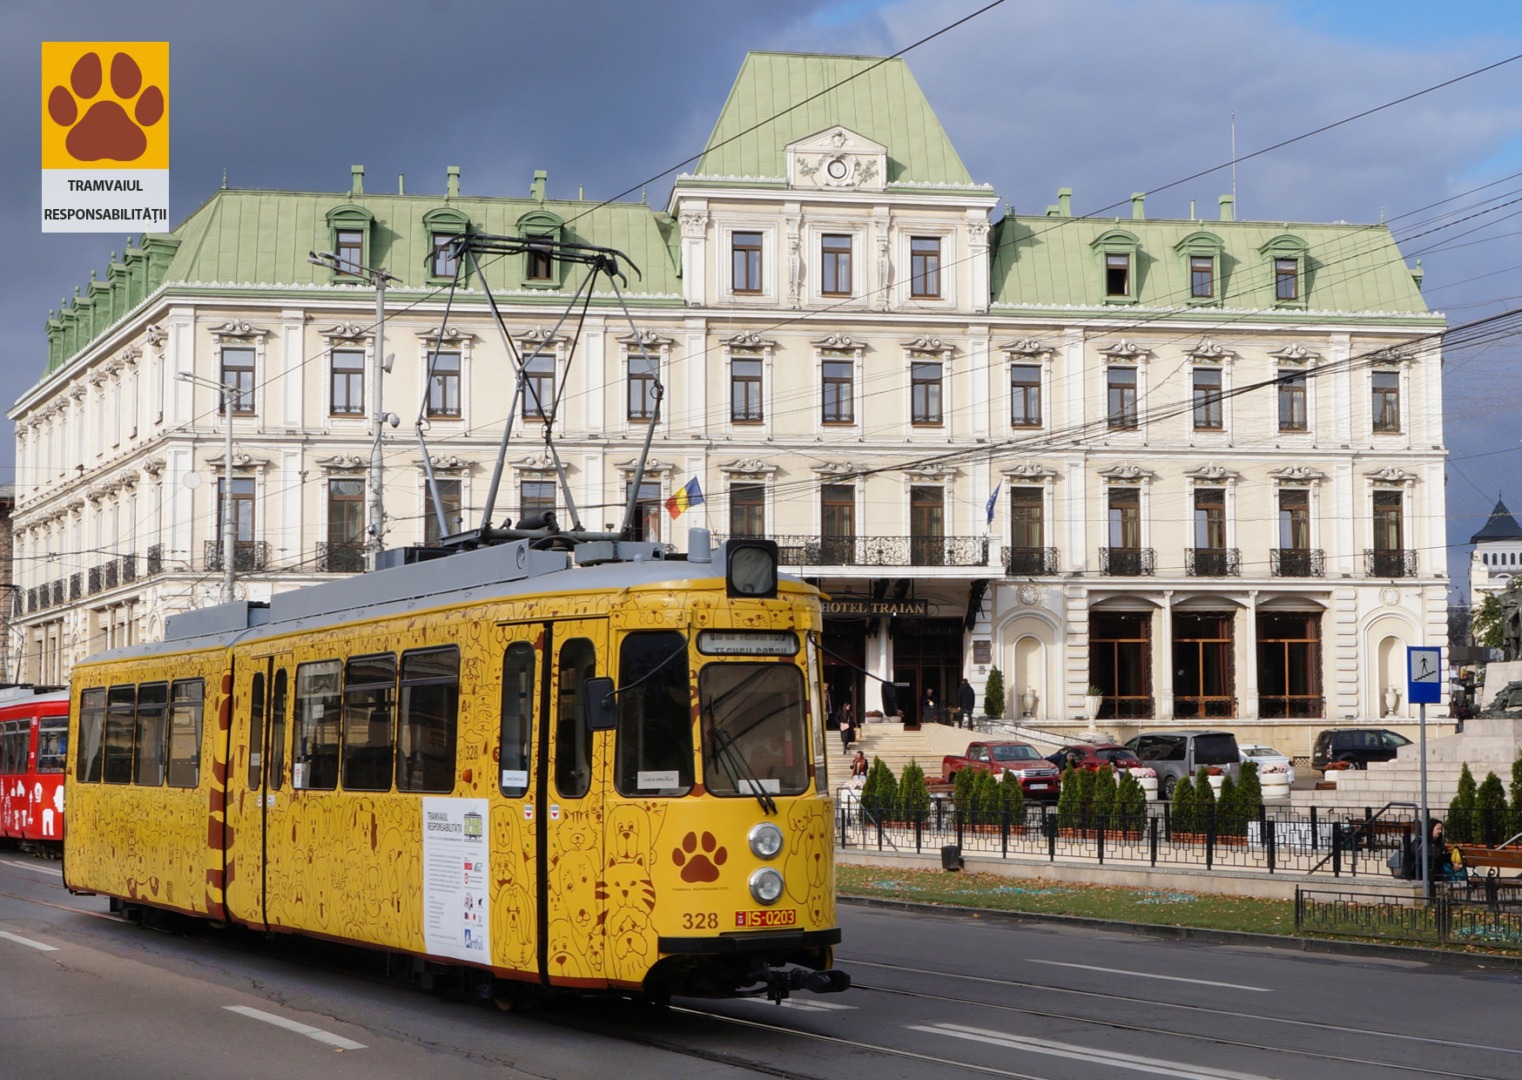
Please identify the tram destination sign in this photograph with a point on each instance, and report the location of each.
(876, 607)
(747, 642)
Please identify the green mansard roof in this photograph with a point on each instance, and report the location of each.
(881, 100)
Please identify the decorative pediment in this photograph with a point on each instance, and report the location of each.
(756, 468)
(1126, 473)
(540, 336)
(1392, 357)
(1297, 474)
(239, 330)
(839, 470)
(349, 331)
(1391, 475)
(540, 462)
(246, 461)
(1028, 348)
(1295, 354)
(749, 339)
(447, 463)
(1125, 351)
(646, 339)
(837, 159)
(839, 343)
(448, 335)
(343, 463)
(1029, 473)
(932, 472)
(1211, 352)
(654, 466)
(1214, 474)
(929, 344)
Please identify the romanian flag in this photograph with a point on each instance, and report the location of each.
(689, 495)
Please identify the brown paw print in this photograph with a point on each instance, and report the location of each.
(106, 132)
(697, 865)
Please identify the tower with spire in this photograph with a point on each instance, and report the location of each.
(1497, 556)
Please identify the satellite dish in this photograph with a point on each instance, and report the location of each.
(192, 480)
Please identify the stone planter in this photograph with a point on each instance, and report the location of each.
(1215, 782)
(1275, 785)
(1148, 786)
(1091, 703)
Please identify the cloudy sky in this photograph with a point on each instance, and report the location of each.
(1107, 97)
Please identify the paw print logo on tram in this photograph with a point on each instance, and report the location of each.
(100, 127)
(700, 865)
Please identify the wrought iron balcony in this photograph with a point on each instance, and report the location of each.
(1127, 562)
(1298, 562)
(155, 559)
(1390, 562)
(1030, 561)
(879, 550)
(247, 555)
(1204, 707)
(110, 576)
(129, 569)
(1291, 706)
(96, 577)
(1213, 562)
(346, 557)
(76, 585)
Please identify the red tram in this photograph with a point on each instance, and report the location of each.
(34, 731)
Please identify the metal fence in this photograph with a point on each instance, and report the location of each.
(1274, 840)
(1459, 914)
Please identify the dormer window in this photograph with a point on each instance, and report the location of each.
(445, 226)
(1117, 251)
(1287, 263)
(349, 246)
(1201, 255)
(1117, 275)
(1286, 279)
(540, 269)
(350, 235)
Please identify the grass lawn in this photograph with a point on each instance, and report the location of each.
(995, 892)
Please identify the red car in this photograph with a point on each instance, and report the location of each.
(1093, 756)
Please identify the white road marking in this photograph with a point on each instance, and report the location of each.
(1149, 975)
(301, 1029)
(28, 942)
(53, 870)
(806, 1006)
(1073, 1052)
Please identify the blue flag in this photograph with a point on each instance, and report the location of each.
(992, 501)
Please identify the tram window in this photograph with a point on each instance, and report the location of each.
(573, 742)
(52, 743)
(369, 705)
(185, 708)
(317, 714)
(149, 740)
(754, 736)
(8, 745)
(426, 734)
(277, 732)
(517, 735)
(256, 732)
(654, 747)
(120, 705)
(92, 718)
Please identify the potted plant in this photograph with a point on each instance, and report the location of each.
(1146, 780)
(1091, 702)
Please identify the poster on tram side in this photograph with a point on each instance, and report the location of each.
(455, 915)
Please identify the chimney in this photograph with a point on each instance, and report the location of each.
(356, 179)
(401, 183)
(452, 182)
(536, 189)
(1227, 202)
(1065, 202)
(1138, 212)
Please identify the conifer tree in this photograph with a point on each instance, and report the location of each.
(1490, 811)
(1460, 827)
(914, 792)
(1102, 810)
(1130, 802)
(1070, 800)
(993, 694)
(1183, 816)
(1012, 797)
(1204, 800)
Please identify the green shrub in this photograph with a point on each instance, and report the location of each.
(1250, 792)
(961, 790)
(1183, 813)
(1204, 800)
(1516, 796)
(993, 694)
(1012, 798)
(1070, 800)
(1490, 811)
(986, 799)
(1460, 826)
(879, 795)
(1102, 809)
(1230, 818)
(1130, 803)
(914, 792)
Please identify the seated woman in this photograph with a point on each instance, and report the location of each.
(859, 770)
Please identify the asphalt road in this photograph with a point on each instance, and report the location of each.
(936, 995)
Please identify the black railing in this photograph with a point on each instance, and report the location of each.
(1127, 707)
(1030, 561)
(1298, 562)
(96, 577)
(1458, 914)
(76, 585)
(1291, 706)
(59, 589)
(247, 555)
(1204, 706)
(155, 559)
(346, 557)
(1213, 562)
(129, 569)
(1127, 561)
(879, 550)
(1389, 562)
(110, 576)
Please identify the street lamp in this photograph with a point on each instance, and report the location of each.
(378, 278)
(229, 398)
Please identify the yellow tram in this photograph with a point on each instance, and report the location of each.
(590, 777)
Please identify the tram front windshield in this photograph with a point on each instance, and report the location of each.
(754, 737)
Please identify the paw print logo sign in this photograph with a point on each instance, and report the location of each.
(105, 136)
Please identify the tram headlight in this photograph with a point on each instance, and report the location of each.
(766, 885)
(765, 840)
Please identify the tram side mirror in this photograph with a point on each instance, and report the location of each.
(602, 704)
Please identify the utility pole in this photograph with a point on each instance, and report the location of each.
(378, 278)
(229, 398)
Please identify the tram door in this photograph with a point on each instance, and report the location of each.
(257, 794)
(573, 783)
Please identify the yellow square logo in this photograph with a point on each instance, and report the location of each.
(105, 105)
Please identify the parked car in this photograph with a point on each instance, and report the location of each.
(1176, 754)
(1356, 746)
(1094, 756)
(1038, 778)
(1264, 756)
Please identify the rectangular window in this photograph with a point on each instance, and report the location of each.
(185, 712)
(1201, 277)
(517, 729)
(1286, 279)
(446, 256)
(256, 732)
(747, 510)
(444, 384)
(347, 382)
(541, 264)
(1386, 401)
(449, 502)
(1125, 518)
(428, 728)
(1117, 275)
(276, 770)
(1387, 521)
(746, 251)
(1294, 519)
(1026, 514)
(536, 498)
(653, 754)
(121, 707)
(839, 385)
(1207, 399)
(539, 387)
(648, 509)
(152, 701)
(1024, 395)
(642, 383)
(837, 524)
(243, 513)
(1292, 401)
(1210, 519)
(92, 722)
(927, 526)
(319, 706)
(925, 267)
(52, 741)
(925, 392)
(346, 511)
(573, 742)
(745, 391)
(1122, 398)
(835, 265)
(238, 372)
(349, 246)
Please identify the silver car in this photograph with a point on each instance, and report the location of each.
(1264, 756)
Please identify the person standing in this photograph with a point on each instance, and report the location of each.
(966, 702)
(847, 725)
(930, 714)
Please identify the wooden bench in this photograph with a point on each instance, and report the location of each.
(1480, 855)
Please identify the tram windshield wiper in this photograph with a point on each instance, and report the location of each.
(727, 753)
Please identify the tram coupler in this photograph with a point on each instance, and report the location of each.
(780, 982)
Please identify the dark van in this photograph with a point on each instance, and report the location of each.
(1176, 754)
(1356, 746)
